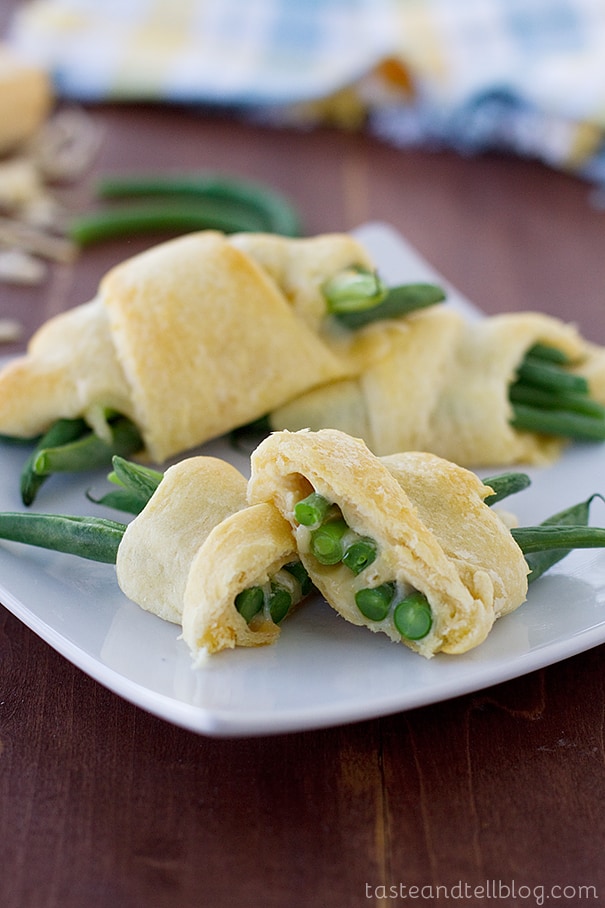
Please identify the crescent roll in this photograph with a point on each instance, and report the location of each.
(443, 386)
(433, 533)
(196, 545)
(189, 339)
(26, 97)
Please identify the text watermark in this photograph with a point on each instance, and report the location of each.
(490, 890)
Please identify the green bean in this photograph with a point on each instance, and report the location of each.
(549, 354)
(19, 442)
(550, 377)
(577, 515)
(276, 211)
(61, 432)
(327, 541)
(118, 500)
(94, 538)
(280, 603)
(332, 540)
(359, 554)
(138, 479)
(90, 451)
(544, 548)
(353, 290)
(299, 572)
(276, 598)
(504, 485)
(137, 485)
(558, 422)
(374, 602)
(539, 397)
(399, 301)
(249, 602)
(168, 218)
(181, 204)
(549, 400)
(544, 537)
(412, 616)
(312, 510)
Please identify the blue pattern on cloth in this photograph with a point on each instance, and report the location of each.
(523, 76)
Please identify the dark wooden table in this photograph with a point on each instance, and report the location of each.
(105, 806)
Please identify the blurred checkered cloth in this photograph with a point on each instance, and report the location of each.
(526, 76)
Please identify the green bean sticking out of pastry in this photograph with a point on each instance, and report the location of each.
(90, 451)
(312, 510)
(71, 446)
(574, 519)
(357, 297)
(93, 538)
(353, 290)
(135, 484)
(504, 485)
(547, 398)
(62, 432)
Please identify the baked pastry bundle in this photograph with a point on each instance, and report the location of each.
(441, 383)
(189, 339)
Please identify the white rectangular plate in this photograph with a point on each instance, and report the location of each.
(322, 671)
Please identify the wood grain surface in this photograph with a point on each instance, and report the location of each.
(487, 799)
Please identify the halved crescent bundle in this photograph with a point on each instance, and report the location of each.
(436, 542)
(197, 545)
(189, 339)
(443, 386)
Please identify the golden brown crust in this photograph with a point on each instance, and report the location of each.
(467, 581)
(205, 348)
